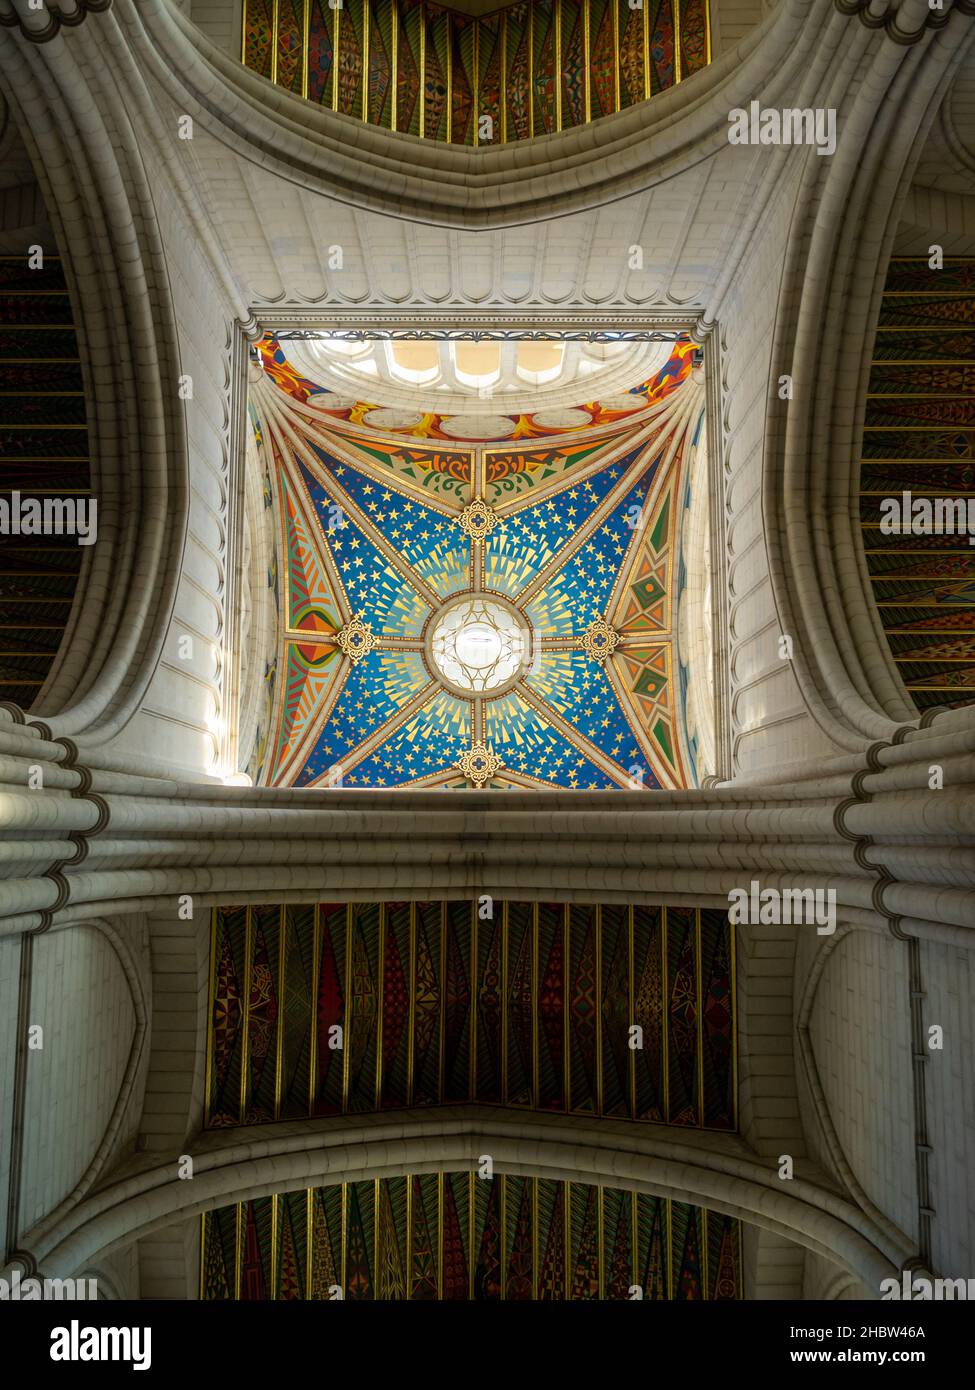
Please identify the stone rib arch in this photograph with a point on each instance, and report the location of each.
(809, 1070)
(95, 1135)
(824, 334)
(447, 185)
(232, 1166)
(115, 643)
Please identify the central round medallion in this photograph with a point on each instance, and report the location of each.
(479, 644)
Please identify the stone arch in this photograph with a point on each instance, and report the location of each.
(61, 1148)
(230, 1166)
(105, 224)
(434, 182)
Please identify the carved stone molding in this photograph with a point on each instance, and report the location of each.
(509, 325)
(48, 29)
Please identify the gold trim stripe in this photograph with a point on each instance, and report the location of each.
(276, 32)
(631, 1007)
(380, 1010)
(699, 991)
(245, 1003)
(423, 69)
(665, 985)
(211, 992)
(394, 72)
(305, 47)
(336, 47)
(557, 48)
(279, 1048)
(677, 40)
(366, 14)
(531, 70)
(450, 79)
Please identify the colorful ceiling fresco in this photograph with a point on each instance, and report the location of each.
(457, 372)
(450, 1236)
(528, 69)
(439, 1004)
(919, 438)
(477, 426)
(544, 549)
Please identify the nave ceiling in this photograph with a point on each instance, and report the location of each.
(185, 238)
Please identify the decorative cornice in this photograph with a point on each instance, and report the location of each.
(888, 21)
(56, 19)
(81, 791)
(536, 324)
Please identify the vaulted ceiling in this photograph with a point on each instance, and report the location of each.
(919, 445)
(352, 1008)
(525, 69)
(450, 1236)
(483, 598)
(627, 1013)
(43, 450)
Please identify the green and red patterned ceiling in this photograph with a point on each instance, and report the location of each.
(478, 595)
(426, 1237)
(525, 69)
(530, 1008)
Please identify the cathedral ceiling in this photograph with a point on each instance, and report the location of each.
(43, 449)
(527, 69)
(290, 247)
(482, 599)
(455, 1236)
(310, 208)
(918, 448)
(474, 377)
(343, 1009)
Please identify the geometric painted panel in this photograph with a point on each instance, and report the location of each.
(534, 67)
(454, 1236)
(559, 539)
(919, 440)
(344, 1008)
